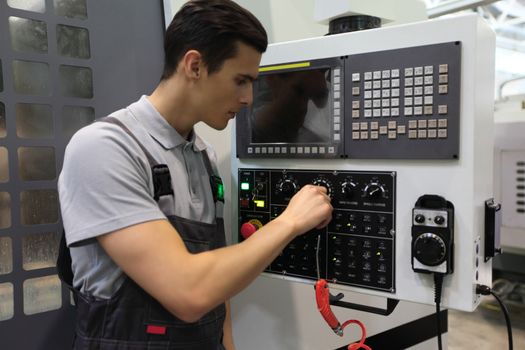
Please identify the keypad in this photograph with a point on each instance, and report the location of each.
(400, 102)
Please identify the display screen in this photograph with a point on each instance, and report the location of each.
(292, 107)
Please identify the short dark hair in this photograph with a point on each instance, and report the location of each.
(212, 27)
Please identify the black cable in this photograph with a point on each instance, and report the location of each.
(484, 290)
(438, 286)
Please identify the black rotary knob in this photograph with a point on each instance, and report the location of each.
(439, 220)
(348, 189)
(420, 218)
(430, 249)
(287, 187)
(325, 183)
(374, 191)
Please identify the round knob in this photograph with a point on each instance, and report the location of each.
(348, 189)
(287, 187)
(325, 183)
(249, 228)
(419, 218)
(439, 220)
(429, 249)
(374, 190)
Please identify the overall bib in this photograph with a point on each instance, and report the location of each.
(131, 318)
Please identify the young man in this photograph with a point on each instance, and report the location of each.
(149, 261)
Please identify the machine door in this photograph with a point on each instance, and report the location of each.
(63, 63)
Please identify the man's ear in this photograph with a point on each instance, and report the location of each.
(192, 64)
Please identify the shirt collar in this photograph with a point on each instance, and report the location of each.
(158, 128)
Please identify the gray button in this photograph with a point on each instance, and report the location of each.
(377, 113)
(409, 91)
(383, 130)
(422, 134)
(322, 150)
(363, 126)
(432, 123)
(432, 133)
(368, 94)
(408, 101)
(422, 124)
(429, 100)
(412, 124)
(394, 83)
(385, 84)
(443, 68)
(392, 135)
(364, 135)
(355, 135)
(368, 113)
(394, 112)
(442, 123)
(376, 103)
(394, 102)
(377, 74)
(418, 110)
(442, 133)
(257, 150)
(355, 104)
(337, 87)
(307, 150)
(374, 135)
(355, 126)
(374, 125)
(409, 72)
(292, 150)
(418, 81)
(385, 102)
(408, 110)
(385, 93)
(368, 104)
(331, 149)
(368, 85)
(443, 89)
(368, 75)
(377, 84)
(337, 137)
(356, 77)
(418, 100)
(429, 80)
(429, 70)
(409, 81)
(385, 74)
(442, 109)
(386, 112)
(395, 92)
(395, 73)
(412, 134)
(299, 150)
(392, 124)
(429, 90)
(428, 110)
(337, 127)
(418, 71)
(376, 94)
(443, 78)
(250, 150)
(418, 90)
(401, 129)
(355, 91)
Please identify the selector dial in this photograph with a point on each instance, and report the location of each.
(325, 183)
(374, 190)
(287, 186)
(348, 188)
(430, 249)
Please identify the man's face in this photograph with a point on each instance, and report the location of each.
(226, 91)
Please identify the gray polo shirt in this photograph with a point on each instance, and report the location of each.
(106, 185)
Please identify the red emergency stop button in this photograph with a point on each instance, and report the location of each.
(248, 229)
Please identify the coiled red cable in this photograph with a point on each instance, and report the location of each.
(322, 297)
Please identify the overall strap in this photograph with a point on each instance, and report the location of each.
(160, 172)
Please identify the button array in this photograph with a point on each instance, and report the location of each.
(337, 102)
(415, 129)
(291, 150)
(391, 93)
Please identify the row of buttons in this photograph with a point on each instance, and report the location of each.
(412, 124)
(292, 150)
(394, 112)
(394, 73)
(401, 130)
(337, 105)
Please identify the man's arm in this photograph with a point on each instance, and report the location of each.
(189, 285)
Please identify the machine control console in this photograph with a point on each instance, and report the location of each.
(357, 248)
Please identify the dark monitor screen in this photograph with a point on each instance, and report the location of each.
(292, 107)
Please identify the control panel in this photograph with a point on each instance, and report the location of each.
(357, 248)
(405, 103)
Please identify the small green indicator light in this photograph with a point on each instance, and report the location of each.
(220, 192)
(245, 186)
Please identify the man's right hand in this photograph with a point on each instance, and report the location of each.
(308, 209)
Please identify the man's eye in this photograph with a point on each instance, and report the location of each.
(241, 81)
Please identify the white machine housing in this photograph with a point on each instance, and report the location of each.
(509, 170)
(466, 182)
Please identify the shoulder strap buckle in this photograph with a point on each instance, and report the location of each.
(161, 181)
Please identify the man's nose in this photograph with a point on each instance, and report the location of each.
(247, 96)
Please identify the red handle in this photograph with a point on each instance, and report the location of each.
(322, 296)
